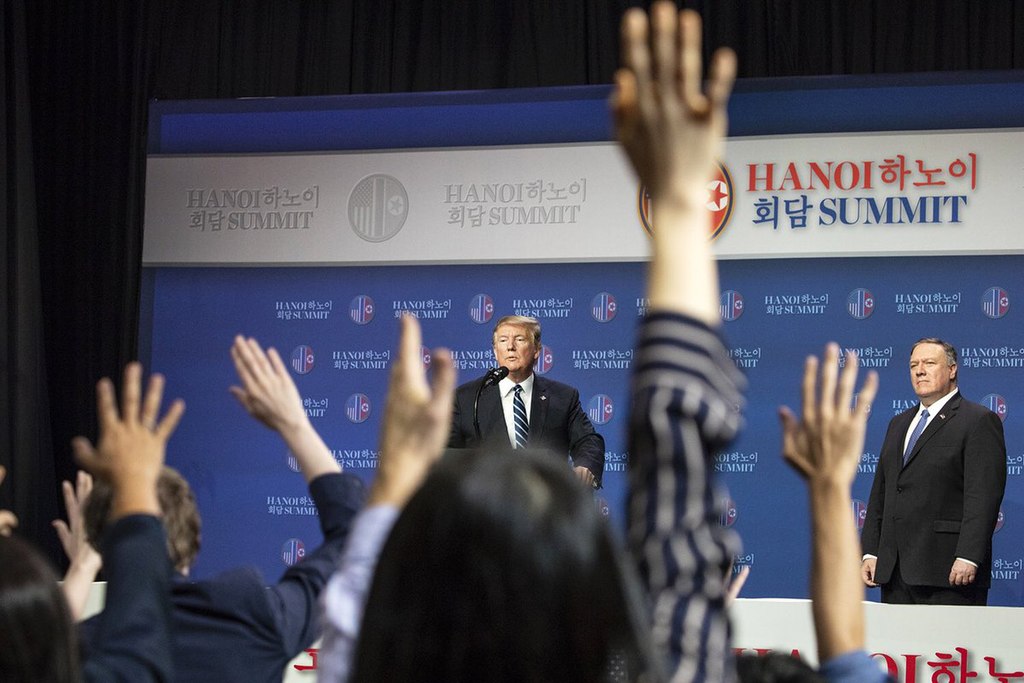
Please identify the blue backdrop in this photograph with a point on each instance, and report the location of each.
(336, 326)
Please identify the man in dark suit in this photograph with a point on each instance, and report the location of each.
(927, 538)
(550, 415)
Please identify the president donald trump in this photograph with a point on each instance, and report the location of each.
(524, 410)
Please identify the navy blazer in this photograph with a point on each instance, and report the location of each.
(944, 503)
(557, 423)
(233, 627)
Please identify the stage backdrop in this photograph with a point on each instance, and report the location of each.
(870, 212)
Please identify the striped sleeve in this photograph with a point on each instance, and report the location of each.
(686, 400)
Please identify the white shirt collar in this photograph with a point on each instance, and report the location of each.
(506, 385)
(936, 407)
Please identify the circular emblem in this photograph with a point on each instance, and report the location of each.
(600, 409)
(544, 360)
(730, 305)
(361, 310)
(425, 356)
(995, 302)
(729, 514)
(357, 408)
(377, 207)
(602, 506)
(860, 303)
(999, 520)
(860, 513)
(718, 203)
(481, 309)
(603, 307)
(997, 404)
(302, 359)
(292, 551)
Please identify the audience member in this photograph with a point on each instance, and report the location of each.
(413, 430)
(490, 572)
(482, 577)
(85, 562)
(825, 447)
(232, 626)
(133, 636)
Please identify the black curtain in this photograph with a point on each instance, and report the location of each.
(78, 75)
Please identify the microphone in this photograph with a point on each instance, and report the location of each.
(493, 376)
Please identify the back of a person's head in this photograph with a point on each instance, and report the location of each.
(37, 638)
(178, 512)
(775, 667)
(500, 569)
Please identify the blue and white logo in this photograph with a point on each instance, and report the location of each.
(860, 303)
(361, 310)
(600, 409)
(995, 403)
(481, 309)
(995, 302)
(603, 307)
(302, 359)
(292, 551)
(545, 359)
(357, 408)
(731, 305)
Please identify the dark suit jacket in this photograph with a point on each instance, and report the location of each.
(557, 423)
(233, 627)
(944, 503)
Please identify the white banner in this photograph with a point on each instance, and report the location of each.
(800, 196)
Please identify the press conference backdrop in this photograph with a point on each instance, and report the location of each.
(870, 212)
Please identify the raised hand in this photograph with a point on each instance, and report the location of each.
(267, 392)
(417, 417)
(269, 395)
(828, 440)
(86, 562)
(670, 128)
(72, 533)
(131, 446)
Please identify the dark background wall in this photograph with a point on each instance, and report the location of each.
(78, 75)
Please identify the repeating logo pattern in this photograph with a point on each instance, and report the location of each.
(600, 409)
(292, 551)
(729, 513)
(357, 408)
(860, 303)
(995, 302)
(361, 310)
(730, 305)
(603, 307)
(481, 309)
(860, 513)
(997, 404)
(303, 359)
(545, 360)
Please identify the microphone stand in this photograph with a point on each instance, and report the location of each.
(493, 376)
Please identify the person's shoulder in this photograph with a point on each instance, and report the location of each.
(961, 402)
(470, 386)
(547, 385)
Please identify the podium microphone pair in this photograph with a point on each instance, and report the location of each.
(493, 376)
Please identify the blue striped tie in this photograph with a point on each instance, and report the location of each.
(519, 414)
(915, 435)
